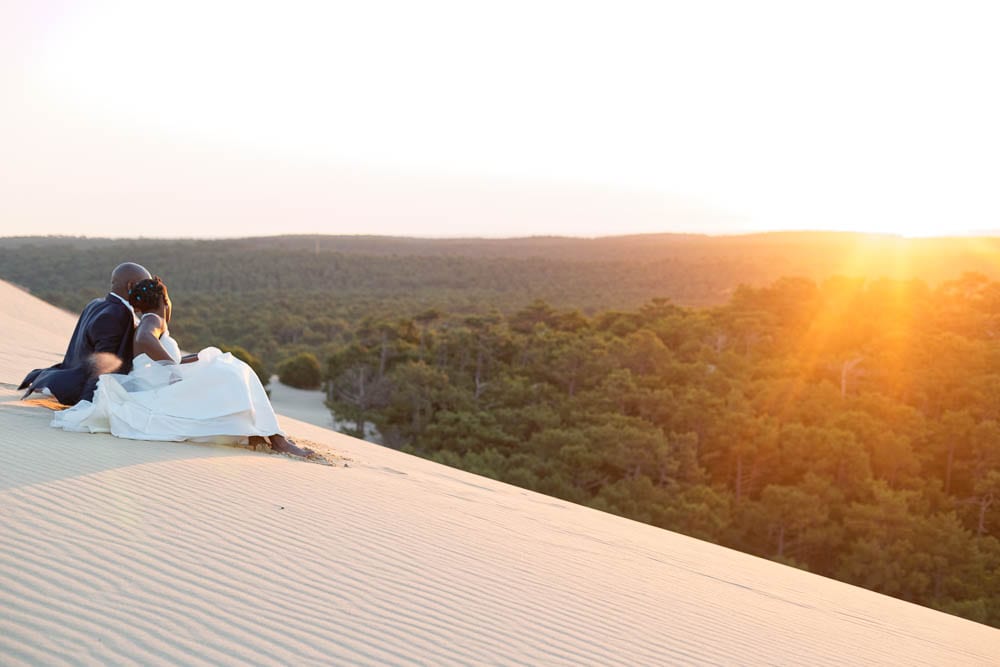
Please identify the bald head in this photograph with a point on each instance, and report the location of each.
(125, 275)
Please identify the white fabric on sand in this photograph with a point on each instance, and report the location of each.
(217, 399)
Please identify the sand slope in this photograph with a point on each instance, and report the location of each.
(33, 334)
(114, 551)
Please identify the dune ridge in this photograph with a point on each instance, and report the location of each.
(114, 552)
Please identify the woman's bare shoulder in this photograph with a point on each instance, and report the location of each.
(151, 322)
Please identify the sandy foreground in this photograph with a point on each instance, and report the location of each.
(115, 551)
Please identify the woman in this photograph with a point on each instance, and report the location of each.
(209, 397)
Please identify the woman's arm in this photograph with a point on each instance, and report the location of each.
(147, 339)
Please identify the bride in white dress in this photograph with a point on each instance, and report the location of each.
(209, 397)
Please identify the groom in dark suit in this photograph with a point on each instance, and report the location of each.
(103, 334)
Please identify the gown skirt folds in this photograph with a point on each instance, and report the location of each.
(217, 399)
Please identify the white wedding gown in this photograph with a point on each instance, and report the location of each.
(217, 399)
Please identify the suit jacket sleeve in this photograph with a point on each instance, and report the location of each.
(109, 328)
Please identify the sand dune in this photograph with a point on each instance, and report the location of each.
(33, 334)
(113, 552)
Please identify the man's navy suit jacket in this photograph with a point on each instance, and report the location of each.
(105, 325)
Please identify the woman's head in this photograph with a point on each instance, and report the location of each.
(149, 296)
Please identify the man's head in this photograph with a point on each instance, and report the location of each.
(125, 276)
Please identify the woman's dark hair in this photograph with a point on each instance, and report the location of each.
(148, 294)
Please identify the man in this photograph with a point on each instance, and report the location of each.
(101, 343)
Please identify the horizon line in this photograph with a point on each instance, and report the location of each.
(972, 234)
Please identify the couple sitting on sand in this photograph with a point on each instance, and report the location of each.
(123, 374)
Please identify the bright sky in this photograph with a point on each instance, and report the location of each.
(498, 119)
